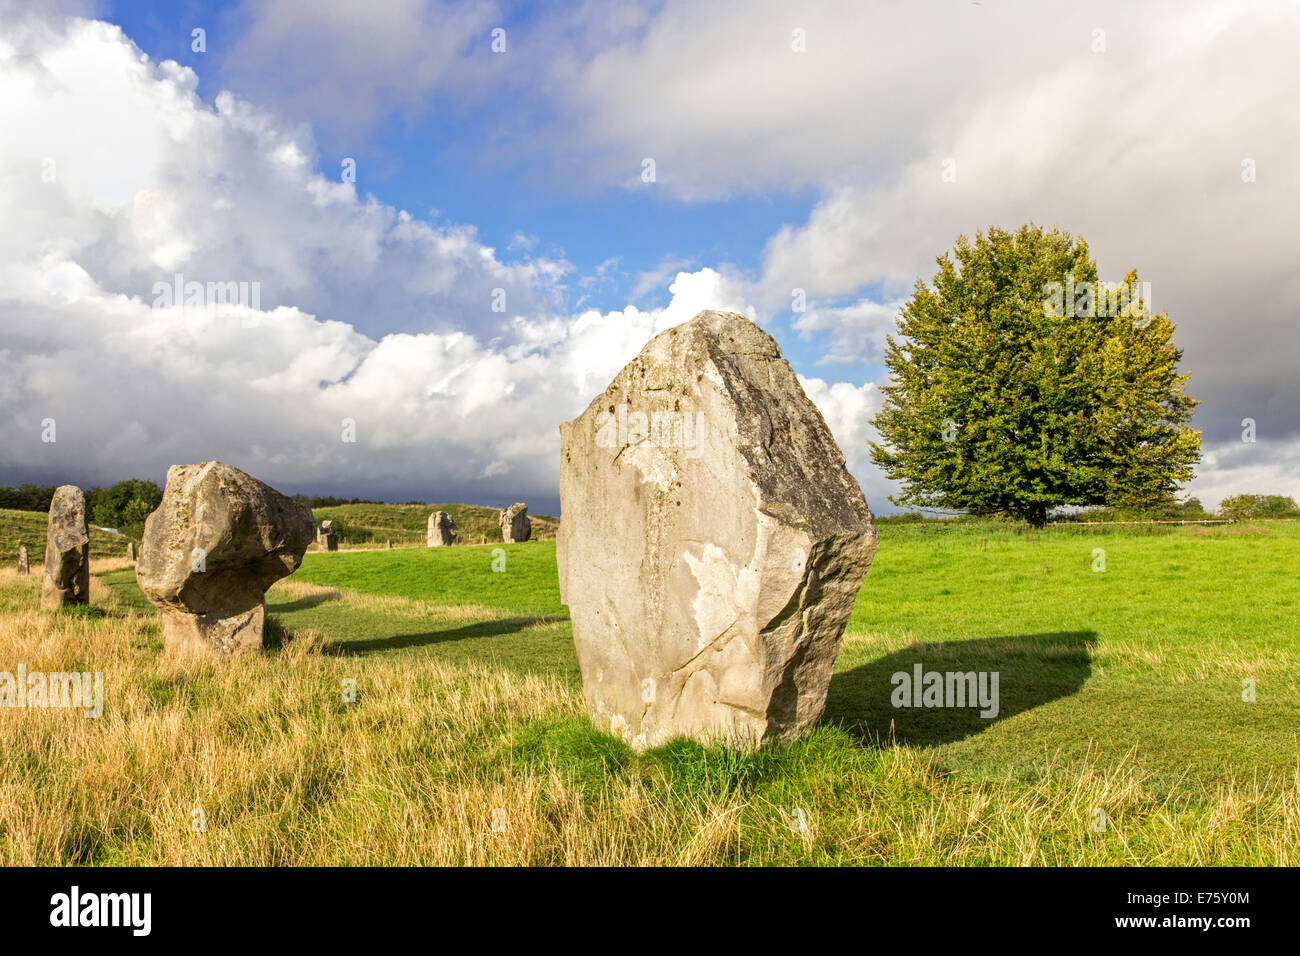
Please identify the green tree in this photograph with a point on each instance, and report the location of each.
(126, 505)
(1018, 383)
(1258, 506)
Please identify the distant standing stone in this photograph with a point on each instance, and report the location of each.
(327, 538)
(130, 551)
(24, 563)
(388, 545)
(515, 526)
(712, 541)
(442, 530)
(219, 539)
(67, 551)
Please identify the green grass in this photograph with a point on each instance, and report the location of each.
(1141, 663)
(28, 527)
(1120, 690)
(1143, 660)
(407, 525)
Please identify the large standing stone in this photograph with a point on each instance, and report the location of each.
(67, 551)
(219, 539)
(515, 525)
(24, 562)
(711, 543)
(442, 530)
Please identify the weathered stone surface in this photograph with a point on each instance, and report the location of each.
(24, 562)
(219, 539)
(67, 551)
(711, 543)
(442, 530)
(515, 526)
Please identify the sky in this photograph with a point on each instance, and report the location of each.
(461, 219)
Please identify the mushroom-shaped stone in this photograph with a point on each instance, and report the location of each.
(712, 541)
(442, 530)
(515, 525)
(219, 539)
(67, 551)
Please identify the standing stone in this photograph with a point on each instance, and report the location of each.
(388, 545)
(515, 525)
(130, 551)
(442, 530)
(24, 562)
(712, 541)
(327, 538)
(219, 539)
(67, 551)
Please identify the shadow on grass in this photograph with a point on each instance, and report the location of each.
(303, 603)
(1033, 670)
(505, 625)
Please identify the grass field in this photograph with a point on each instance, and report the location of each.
(1121, 692)
(408, 525)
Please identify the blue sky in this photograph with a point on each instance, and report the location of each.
(431, 164)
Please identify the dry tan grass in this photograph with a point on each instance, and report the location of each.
(421, 769)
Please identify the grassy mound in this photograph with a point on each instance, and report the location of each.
(407, 525)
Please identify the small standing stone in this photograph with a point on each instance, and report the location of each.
(515, 526)
(442, 530)
(24, 563)
(328, 539)
(67, 551)
(130, 551)
(388, 545)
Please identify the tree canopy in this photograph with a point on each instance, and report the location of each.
(1019, 382)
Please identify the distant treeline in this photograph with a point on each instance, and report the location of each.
(1235, 507)
(124, 506)
(327, 501)
(31, 497)
(315, 501)
(27, 497)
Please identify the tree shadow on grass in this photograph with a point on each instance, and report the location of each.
(505, 625)
(1033, 669)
